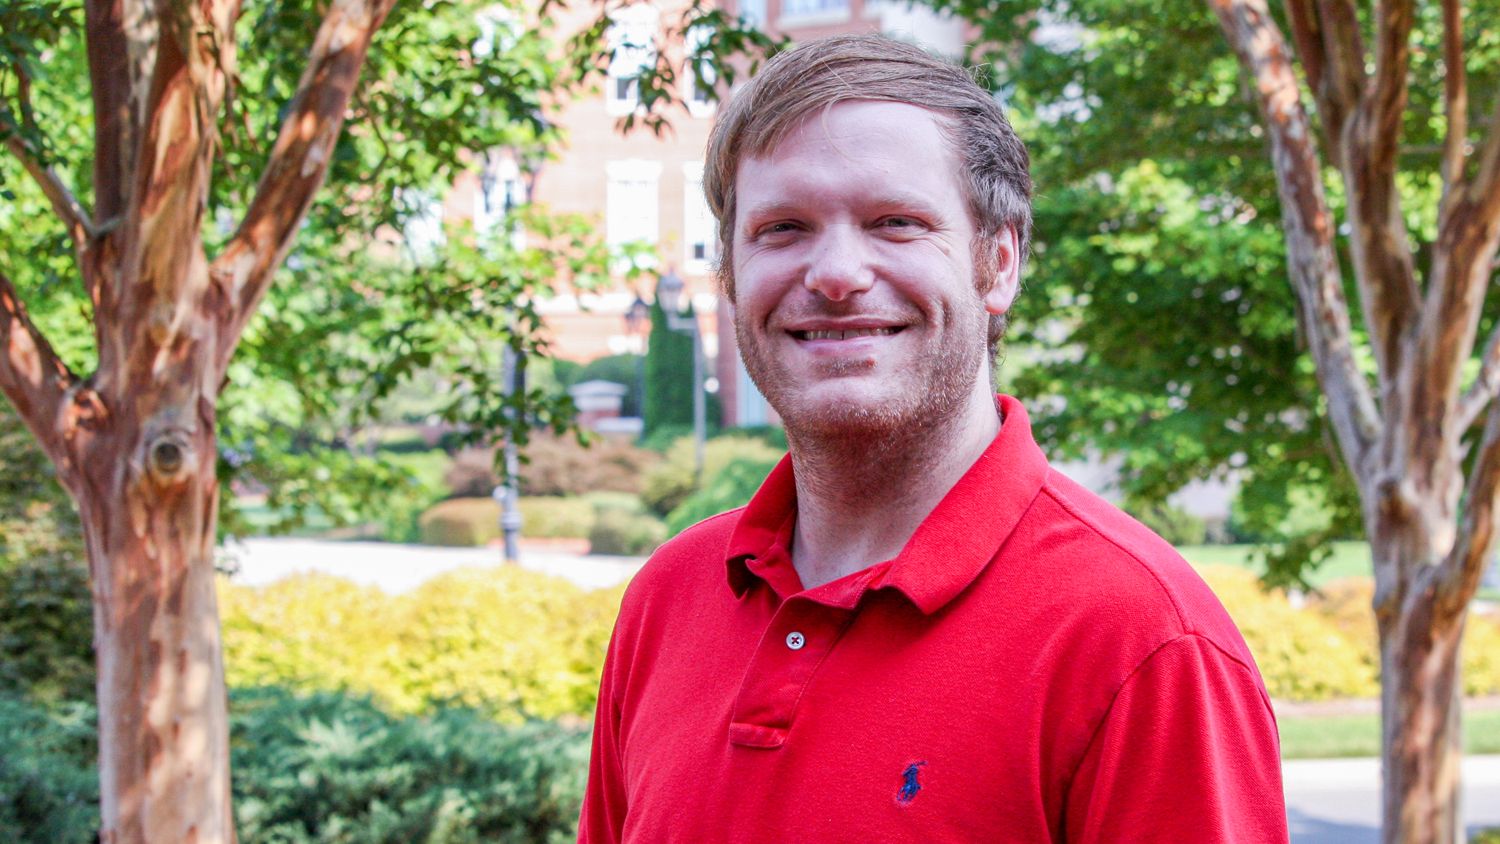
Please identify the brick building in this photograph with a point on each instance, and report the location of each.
(642, 187)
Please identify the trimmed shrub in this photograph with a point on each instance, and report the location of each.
(1175, 525)
(730, 488)
(1346, 605)
(47, 627)
(472, 473)
(462, 522)
(49, 786)
(671, 482)
(622, 532)
(311, 631)
(545, 517)
(1302, 655)
(46, 611)
(320, 768)
(336, 768)
(560, 466)
(506, 641)
(1481, 653)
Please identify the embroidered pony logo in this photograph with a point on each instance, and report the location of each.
(911, 783)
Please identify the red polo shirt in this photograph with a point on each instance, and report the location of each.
(1033, 666)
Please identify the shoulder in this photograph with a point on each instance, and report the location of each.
(688, 562)
(1107, 562)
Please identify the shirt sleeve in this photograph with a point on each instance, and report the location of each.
(602, 820)
(1188, 751)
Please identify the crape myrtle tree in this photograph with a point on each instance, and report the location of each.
(1193, 162)
(164, 162)
(162, 165)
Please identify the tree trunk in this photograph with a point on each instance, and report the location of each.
(1421, 695)
(148, 498)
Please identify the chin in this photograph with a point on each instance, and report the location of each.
(840, 414)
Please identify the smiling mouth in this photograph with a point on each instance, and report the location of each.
(845, 334)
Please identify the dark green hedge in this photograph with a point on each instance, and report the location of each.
(321, 768)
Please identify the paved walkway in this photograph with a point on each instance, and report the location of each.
(401, 568)
(1329, 801)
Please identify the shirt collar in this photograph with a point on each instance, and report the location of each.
(948, 550)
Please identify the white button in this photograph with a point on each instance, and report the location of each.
(795, 640)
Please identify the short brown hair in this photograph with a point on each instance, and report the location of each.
(827, 71)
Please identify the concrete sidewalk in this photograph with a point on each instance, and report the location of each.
(1329, 801)
(400, 568)
(1337, 801)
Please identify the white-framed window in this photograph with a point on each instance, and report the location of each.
(699, 95)
(632, 202)
(632, 43)
(502, 189)
(700, 232)
(807, 12)
(753, 11)
(422, 227)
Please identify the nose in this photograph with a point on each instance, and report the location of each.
(838, 266)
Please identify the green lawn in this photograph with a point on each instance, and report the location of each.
(1329, 736)
(1350, 559)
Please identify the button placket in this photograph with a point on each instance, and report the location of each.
(801, 635)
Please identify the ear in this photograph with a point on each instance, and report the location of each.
(1007, 269)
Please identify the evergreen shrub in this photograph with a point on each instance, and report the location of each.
(333, 767)
(326, 767)
(621, 532)
(730, 488)
(49, 787)
(546, 517)
(672, 481)
(461, 522)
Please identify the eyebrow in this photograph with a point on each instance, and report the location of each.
(783, 207)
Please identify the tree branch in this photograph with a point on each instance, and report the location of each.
(74, 216)
(1462, 267)
(1484, 193)
(298, 162)
(1307, 35)
(115, 125)
(1465, 563)
(1483, 390)
(32, 376)
(1455, 99)
(1308, 224)
(1344, 79)
(1379, 244)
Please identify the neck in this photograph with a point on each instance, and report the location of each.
(860, 498)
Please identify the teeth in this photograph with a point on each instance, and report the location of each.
(848, 334)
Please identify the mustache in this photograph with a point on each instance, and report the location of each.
(822, 309)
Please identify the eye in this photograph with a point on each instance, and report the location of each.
(780, 227)
(900, 224)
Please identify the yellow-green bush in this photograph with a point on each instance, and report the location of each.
(463, 522)
(507, 641)
(1302, 655)
(556, 518)
(307, 632)
(1346, 604)
(1481, 651)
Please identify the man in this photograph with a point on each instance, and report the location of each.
(916, 630)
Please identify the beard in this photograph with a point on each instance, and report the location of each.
(924, 394)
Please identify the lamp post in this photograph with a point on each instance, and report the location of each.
(638, 325)
(508, 493)
(668, 292)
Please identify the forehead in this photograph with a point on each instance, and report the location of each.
(852, 146)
